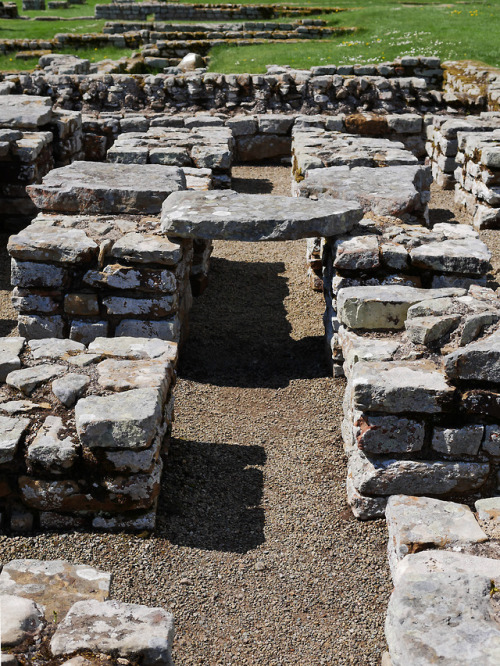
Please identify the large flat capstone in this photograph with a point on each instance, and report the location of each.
(227, 215)
(24, 111)
(94, 187)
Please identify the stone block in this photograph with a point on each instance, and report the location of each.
(479, 361)
(228, 215)
(387, 434)
(20, 618)
(24, 111)
(94, 187)
(464, 441)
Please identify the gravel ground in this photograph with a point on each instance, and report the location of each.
(256, 552)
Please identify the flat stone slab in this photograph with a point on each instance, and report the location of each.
(479, 361)
(131, 631)
(446, 618)
(54, 584)
(24, 111)
(415, 523)
(99, 187)
(399, 387)
(227, 215)
(447, 561)
(392, 190)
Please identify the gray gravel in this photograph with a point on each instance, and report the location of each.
(256, 552)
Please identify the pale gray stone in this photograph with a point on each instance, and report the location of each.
(447, 561)
(10, 348)
(362, 506)
(403, 386)
(357, 253)
(122, 375)
(27, 379)
(54, 584)
(470, 257)
(69, 388)
(382, 307)
(162, 306)
(488, 510)
(134, 348)
(99, 187)
(190, 62)
(167, 329)
(51, 243)
(458, 441)
(37, 327)
(446, 618)
(415, 523)
(228, 215)
(25, 111)
(425, 330)
(11, 431)
(387, 434)
(128, 420)
(432, 307)
(19, 617)
(394, 190)
(474, 325)
(147, 249)
(55, 348)
(84, 332)
(135, 632)
(479, 361)
(50, 450)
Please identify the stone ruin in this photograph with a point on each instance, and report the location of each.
(131, 191)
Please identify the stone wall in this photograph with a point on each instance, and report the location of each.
(8, 10)
(34, 139)
(130, 11)
(408, 85)
(471, 87)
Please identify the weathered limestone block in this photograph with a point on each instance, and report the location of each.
(450, 618)
(373, 476)
(445, 561)
(134, 348)
(395, 190)
(470, 256)
(27, 379)
(458, 441)
(425, 330)
(146, 249)
(20, 618)
(252, 217)
(93, 187)
(50, 450)
(10, 348)
(387, 434)
(11, 432)
(55, 585)
(363, 506)
(128, 420)
(415, 523)
(479, 361)
(357, 253)
(130, 631)
(383, 307)
(52, 244)
(24, 111)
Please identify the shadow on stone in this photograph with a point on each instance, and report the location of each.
(211, 496)
(240, 334)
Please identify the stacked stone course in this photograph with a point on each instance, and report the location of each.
(34, 138)
(109, 273)
(478, 177)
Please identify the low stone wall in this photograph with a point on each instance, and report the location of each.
(471, 87)
(84, 428)
(130, 11)
(57, 609)
(445, 564)
(35, 138)
(442, 142)
(478, 177)
(408, 85)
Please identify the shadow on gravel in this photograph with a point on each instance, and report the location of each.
(210, 496)
(252, 185)
(439, 215)
(239, 334)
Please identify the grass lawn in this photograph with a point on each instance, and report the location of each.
(386, 29)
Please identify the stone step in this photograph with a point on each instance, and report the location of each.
(255, 217)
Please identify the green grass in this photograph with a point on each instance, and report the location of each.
(386, 29)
